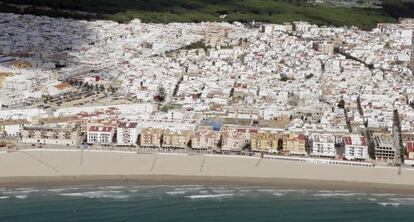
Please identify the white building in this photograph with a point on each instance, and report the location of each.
(56, 135)
(325, 145)
(12, 127)
(100, 134)
(127, 134)
(355, 147)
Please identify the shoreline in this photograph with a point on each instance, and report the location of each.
(61, 168)
(168, 180)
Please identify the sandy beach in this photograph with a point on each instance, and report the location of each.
(77, 167)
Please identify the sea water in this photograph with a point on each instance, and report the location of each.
(199, 203)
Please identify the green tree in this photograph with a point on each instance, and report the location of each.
(161, 94)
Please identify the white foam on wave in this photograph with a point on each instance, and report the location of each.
(285, 191)
(403, 200)
(340, 194)
(19, 191)
(189, 188)
(267, 190)
(385, 204)
(98, 194)
(62, 189)
(112, 188)
(384, 194)
(222, 191)
(278, 194)
(21, 196)
(180, 192)
(245, 191)
(207, 196)
(57, 189)
(4, 197)
(24, 188)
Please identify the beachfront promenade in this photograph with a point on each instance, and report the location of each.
(42, 166)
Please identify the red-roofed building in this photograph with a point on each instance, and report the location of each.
(355, 147)
(294, 144)
(98, 134)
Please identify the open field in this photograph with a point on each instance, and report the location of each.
(158, 11)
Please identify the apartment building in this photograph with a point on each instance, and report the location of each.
(326, 145)
(56, 135)
(267, 142)
(206, 138)
(127, 134)
(294, 144)
(100, 134)
(178, 139)
(151, 137)
(236, 137)
(355, 147)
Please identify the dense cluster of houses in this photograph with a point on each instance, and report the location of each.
(291, 89)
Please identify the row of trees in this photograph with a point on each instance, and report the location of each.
(89, 87)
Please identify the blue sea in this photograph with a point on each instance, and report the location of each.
(199, 203)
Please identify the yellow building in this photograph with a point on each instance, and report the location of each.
(151, 137)
(205, 138)
(294, 144)
(3, 78)
(266, 142)
(176, 139)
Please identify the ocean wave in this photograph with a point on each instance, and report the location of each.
(210, 196)
(21, 196)
(176, 192)
(57, 189)
(62, 189)
(384, 194)
(282, 190)
(222, 191)
(267, 190)
(190, 188)
(403, 200)
(203, 192)
(98, 194)
(340, 194)
(19, 191)
(111, 188)
(4, 197)
(278, 194)
(385, 204)
(244, 190)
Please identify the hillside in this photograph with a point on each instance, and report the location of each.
(275, 11)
